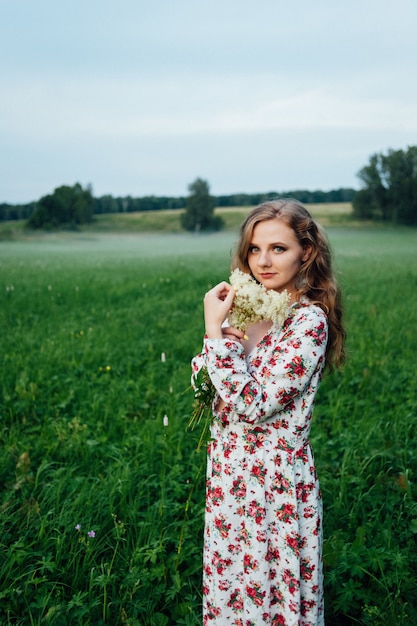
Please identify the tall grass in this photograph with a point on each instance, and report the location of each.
(102, 505)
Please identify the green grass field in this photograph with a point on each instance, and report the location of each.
(102, 505)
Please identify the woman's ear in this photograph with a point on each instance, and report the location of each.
(307, 252)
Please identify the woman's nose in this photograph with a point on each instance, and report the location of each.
(264, 259)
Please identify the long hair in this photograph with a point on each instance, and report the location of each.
(315, 279)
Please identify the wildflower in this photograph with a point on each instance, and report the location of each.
(254, 303)
(108, 368)
(204, 394)
(163, 357)
(91, 533)
(78, 527)
(166, 421)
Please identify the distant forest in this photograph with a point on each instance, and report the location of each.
(127, 204)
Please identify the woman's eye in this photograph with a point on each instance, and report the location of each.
(279, 249)
(253, 249)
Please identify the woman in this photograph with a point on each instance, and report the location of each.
(263, 527)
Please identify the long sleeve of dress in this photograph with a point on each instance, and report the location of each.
(256, 388)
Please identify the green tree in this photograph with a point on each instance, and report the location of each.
(199, 209)
(389, 190)
(67, 206)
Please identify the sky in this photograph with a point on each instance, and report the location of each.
(142, 97)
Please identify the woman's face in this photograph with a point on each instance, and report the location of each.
(275, 255)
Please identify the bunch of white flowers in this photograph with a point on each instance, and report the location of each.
(253, 303)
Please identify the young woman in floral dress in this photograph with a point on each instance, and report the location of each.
(263, 526)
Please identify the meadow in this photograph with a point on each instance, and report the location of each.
(168, 221)
(102, 488)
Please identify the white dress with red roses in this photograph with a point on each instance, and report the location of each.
(263, 526)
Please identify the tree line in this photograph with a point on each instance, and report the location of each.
(388, 193)
(69, 206)
(389, 188)
(43, 208)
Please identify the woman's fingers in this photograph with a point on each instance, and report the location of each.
(230, 332)
(217, 304)
(220, 292)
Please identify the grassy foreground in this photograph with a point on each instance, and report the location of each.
(102, 505)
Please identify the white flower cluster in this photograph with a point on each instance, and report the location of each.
(253, 303)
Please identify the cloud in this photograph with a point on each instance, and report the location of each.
(140, 98)
(110, 107)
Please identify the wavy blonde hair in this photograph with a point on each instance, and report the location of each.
(315, 280)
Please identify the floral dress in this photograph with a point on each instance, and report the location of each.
(263, 524)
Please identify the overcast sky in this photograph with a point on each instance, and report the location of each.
(140, 97)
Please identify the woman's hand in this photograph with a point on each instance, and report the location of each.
(230, 332)
(217, 304)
